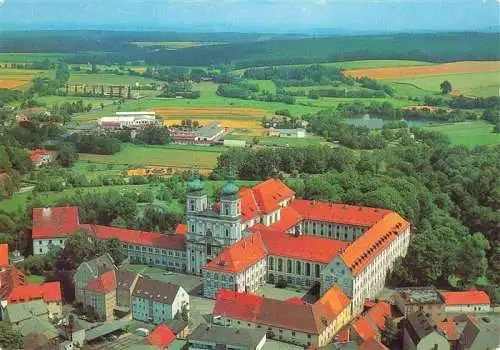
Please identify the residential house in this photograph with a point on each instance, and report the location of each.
(298, 323)
(480, 334)
(156, 302)
(452, 332)
(372, 322)
(41, 157)
(426, 299)
(421, 333)
(224, 338)
(126, 281)
(180, 327)
(49, 293)
(100, 295)
(466, 301)
(10, 276)
(90, 270)
(30, 317)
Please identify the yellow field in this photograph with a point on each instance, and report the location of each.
(15, 78)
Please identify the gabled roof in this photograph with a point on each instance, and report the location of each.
(367, 247)
(101, 264)
(54, 222)
(470, 297)
(378, 313)
(239, 256)
(363, 328)
(270, 193)
(249, 207)
(4, 254)
(338, 213)
(49, 292)
(449, 328)
(125, 279)
(18, 312)
(10, 278)
(161, 337)
(35, 154)
(333, 302)
(307, 318)
(304, 247)
(151, 239)
(104, 283)
(238, 338)
(419, 325)
(161, 292)
(288, 218)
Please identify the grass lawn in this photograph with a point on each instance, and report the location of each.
(175, 45)
(30, 57)
(472, 84)
(95, 101)
(35, 279)
(139, 155)
(292, 141)
(469, 133)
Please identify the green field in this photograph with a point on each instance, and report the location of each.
(95, 101)
(469, 133)
(472, 84)
(291, 141)
(158, 156)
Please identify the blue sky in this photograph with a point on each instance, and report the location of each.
(252, 15)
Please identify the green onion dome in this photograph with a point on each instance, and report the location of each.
(230, 188)
(195, 184)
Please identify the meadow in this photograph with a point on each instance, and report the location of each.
(474, 133)
(107, 79)
(175, 45)
(17, 78)
(159, 156)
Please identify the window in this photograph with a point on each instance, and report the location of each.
(50, 241)
(227, 232)
(271, 263)
(298, 266)
(289, 266)
(60, 241)
(280, 264)
(308, 269)
(293, 334)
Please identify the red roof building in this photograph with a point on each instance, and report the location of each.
(240, 256)
(54, 222)
(161, 337)
(49, 292)
(470, 297)
(379, 312)
(151, 239)
(449, 327)
(364, 329)
(10, 276)
(181, 229)
(38, 155)
(338, 213)
(372, 344)
(103, 284)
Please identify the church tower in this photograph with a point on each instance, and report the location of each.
(230, 200)
(196, 197)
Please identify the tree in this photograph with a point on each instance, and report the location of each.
(78, 248)
(115, 248)
(445, 87)
(473, 262)
(10, 338)
(67, 155)
(496, 129)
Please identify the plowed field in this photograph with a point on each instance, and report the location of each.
(13, 83)
(418, 71)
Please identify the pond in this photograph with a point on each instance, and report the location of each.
(377, 123)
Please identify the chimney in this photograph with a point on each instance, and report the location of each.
(46, 212)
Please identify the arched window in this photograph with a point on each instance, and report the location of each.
(271, 263)
(308, 269)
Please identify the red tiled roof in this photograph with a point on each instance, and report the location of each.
(449, 327)
(54, 222)
(295, 300)
(372, 344)
(470, 297)
(288, 218)
(379, 312)
(104, 283)
(364, 249)
(270, 193)
(161, 337)
(249, 207)
(181, 229)
(10, 278)
(248, 307)
(333, 302)
(4, 254)
(343, 335)
(312, 248)
(338, 213)
(157, 240)
(239, 256)
(35, 154)
(363, 328)
(49, 292)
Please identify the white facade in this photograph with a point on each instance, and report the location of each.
(128, 120)
(41, 246)
(468, 308)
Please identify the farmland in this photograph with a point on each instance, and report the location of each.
(16, 78)
(96, 79)
(159, 156)
(174, 45)
(469, 133)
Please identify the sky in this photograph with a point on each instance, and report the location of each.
(251, 15)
